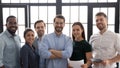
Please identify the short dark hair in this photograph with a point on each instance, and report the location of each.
(39, 21)
(101, 14)
(81, 26)
(59, 16)
(11, 16)
(27, 30)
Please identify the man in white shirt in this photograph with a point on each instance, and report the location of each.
(106, 44)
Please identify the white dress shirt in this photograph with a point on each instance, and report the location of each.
(105, 46)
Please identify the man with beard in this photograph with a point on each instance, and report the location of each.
(39, 27)
(106, 44)
(10, 45)
(56, 47)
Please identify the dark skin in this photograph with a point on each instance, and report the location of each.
(11, 26)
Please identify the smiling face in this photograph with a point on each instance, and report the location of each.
(77, 31)
(101, 22)
(59, 25)
(12, 25)
(29, 37)
(40, 29)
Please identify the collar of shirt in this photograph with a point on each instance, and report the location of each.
(57, 35)
(8, 34)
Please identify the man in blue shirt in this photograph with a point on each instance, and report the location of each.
(56, 47)
(40, 30)
(10, 45)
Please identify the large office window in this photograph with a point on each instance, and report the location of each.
(28, 1)
(29, 11)
(87, 1)
(75, 14)
(45, 13)
(73, 10)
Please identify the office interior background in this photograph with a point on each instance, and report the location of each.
(29, 11)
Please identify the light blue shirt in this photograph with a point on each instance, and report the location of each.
(62, 43)
(42, 60)
(36, 44)
(9, 50)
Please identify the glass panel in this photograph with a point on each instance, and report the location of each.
(95, 29)
(5, 14)
(42, 1)
(50, 28)
(111, 27)
(13, 11)
(95, 11)
(5, 1)
(34, 1)
(21, 16)
(110, 12)
(66, 30)
(46, 28)
(47, 1)
(24, 1)
(43, 13)
(66, 13)
(51, 13)
(51, 1)
(93, 1)
(74, 14)
(14, 1)
(22, 43)
(34, 13)
(18, 12)
(32, 27)
(105, 10)
(112, 0)
(20, 32)
(4, 28)
(102, 0)
(111, 15)
(74, 1)
(83, 14)
(66, 1)
(83, 1)
(85, 29)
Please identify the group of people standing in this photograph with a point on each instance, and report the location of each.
(56, 50)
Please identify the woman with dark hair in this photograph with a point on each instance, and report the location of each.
(28, 55)
(82, 50)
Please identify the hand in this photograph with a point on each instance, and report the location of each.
(96, 64)
(51, 50)
(84, 66)
(69, 66)
(106, 62)
(2, 66)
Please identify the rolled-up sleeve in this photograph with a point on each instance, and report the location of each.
(43, 49)
(2, 45)
(68, 49)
